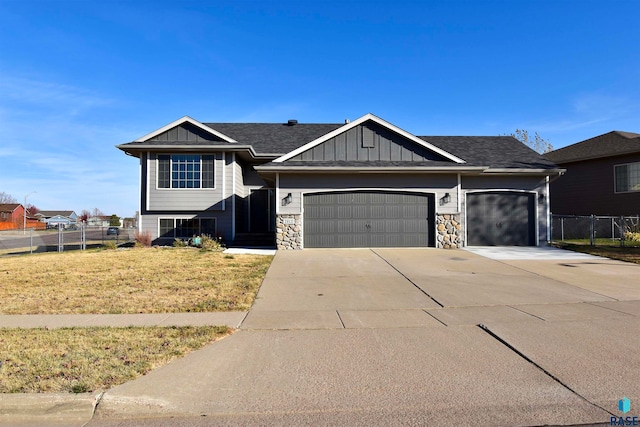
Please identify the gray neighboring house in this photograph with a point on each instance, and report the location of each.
(602, 178)
(56, 218)
(364, 183)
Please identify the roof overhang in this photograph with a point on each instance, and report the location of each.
(466, 170)
(358, 122)
(137, 149)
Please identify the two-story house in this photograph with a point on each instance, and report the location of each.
(361, 183)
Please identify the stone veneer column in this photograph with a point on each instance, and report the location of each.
(449, 231)
(288, 231)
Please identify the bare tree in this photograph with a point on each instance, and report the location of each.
(97, 212)
(84, 215)
(536, 142)
(6, 198)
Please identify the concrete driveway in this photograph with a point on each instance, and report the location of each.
(411, 336)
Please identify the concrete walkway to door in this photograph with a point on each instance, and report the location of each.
(409, 336)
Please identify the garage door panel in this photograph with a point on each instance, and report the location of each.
(501, 219)
(367, 219)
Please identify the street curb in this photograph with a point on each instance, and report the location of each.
(67, 409)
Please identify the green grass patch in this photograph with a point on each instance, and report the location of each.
(80, 360)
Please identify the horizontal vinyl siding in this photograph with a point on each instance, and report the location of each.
(589, 188)
(184, 199)
(299, 184)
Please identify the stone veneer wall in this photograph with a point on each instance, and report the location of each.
(288, 236)
(449, 231)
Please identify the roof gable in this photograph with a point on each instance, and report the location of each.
(189, 126)
(376, 124)
(370, 142)
(9, 207)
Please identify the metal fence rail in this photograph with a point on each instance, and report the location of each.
(13, 242)
(595, 230)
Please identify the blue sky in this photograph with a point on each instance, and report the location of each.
(79, 77)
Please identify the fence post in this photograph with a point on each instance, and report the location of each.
(592, 230)
(31, 240)
(562, 228)
(622, 227)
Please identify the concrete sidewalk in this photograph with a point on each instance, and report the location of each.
(408, 336)
(233, 319)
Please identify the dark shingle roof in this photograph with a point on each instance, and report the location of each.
(610, 144)
(494, 151)
(274, 138)
(9, 207)
(277, 139)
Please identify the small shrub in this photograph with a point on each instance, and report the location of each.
(177, 243)
(207, 243)
(631, 236)
(80, 388)
(110, 244)
(143, 239)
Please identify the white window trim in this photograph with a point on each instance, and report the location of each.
(173, 218)
(215, 168)
(615, 190)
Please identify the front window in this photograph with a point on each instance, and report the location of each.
(627, 177)
(185, 171)
(184, 228)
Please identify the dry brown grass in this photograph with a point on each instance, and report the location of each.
(141, 280)
(88, 359)
(622, 253)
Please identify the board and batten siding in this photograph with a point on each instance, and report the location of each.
(300, 184)
(187, 199)
(368, 142)
(532, 184)
(186, 132)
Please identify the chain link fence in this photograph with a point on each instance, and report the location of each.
(16, 242)
(596, 230)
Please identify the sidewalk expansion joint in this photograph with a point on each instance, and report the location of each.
(543, 370)
(95, 406)
(409, 280)
(340, 318)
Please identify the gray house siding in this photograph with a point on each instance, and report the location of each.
(299, 184)
(588, 188)
(183, 199)
(368, 142)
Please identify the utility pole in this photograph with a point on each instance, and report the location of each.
(24, 208)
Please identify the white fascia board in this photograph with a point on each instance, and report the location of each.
(376, 169)
(358, 122)
(521, 171)
(185, 119)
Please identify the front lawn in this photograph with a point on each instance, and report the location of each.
(83, 360)
(150, 280)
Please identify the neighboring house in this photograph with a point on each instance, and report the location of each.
(365, 183)
(58, 218)
(602, 177)
(12, 217)
(99, 221)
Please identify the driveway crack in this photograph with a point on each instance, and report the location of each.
(547, 373)
(409, 280)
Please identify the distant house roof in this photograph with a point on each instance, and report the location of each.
(49, 214)
(614, 143)
(9, 207)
